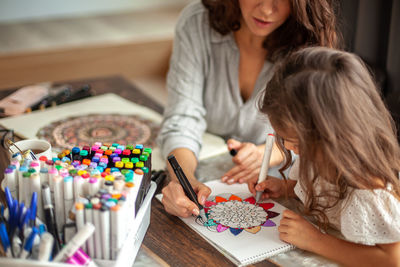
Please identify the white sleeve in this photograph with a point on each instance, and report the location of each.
(371, 217)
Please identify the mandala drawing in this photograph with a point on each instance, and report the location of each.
(105, 128)
(237, 215)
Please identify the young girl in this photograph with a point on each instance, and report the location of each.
(324, 106)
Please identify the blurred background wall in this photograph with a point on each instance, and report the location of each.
(23, 10)
(371, 29)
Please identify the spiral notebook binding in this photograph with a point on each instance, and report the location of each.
(265, 255)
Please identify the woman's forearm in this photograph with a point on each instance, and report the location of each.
(187, 160)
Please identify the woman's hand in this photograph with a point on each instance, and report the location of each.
(247, 162)
(272, 187)
(296, 230)
(177, 203)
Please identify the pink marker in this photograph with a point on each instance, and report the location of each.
(72, 260)
(83, 258)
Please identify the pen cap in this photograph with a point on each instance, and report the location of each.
(73, 261)
(33, 206)
(82, 257)
(77, 240)
(45, 246)
(8, 170)
(79, 206)
(46, 195)
(95, 201)
(29, 242)
(9, 198)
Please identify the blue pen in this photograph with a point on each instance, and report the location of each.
(29, 243)
(9, 198)
(33, 209)
(21, 210)
(20, 213)
(24, 219)
(13, 214)
(4, 240)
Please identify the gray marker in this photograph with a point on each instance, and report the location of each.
(269, 143)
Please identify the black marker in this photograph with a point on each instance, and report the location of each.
(233, 152)
(50, 218)
(186, 185)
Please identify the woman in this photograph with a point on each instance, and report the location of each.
(223, 55)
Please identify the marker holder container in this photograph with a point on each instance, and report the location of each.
(127, 254)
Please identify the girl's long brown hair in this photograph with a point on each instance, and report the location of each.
(312, 22)
(328, 100)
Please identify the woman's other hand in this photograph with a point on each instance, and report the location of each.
(247, 162)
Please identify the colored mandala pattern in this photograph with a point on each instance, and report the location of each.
(105, 128)
(236, 214)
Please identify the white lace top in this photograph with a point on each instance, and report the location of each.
(366, 216)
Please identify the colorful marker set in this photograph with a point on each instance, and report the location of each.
(103, 186)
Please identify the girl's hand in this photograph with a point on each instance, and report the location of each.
(272, 187)
(177, 203)
(247, 162)
(296, 230)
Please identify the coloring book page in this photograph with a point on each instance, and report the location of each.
(241, 230)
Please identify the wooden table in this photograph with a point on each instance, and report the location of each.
(168, 239)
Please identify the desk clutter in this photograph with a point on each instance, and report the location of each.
(78, 206)
(40, 96)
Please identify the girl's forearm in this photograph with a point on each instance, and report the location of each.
(352, 254)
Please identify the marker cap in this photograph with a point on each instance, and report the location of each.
(130, 147)
(115, 208)
(147, 149)
(139, 171)
(79, 206)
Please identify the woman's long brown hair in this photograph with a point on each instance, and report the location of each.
(311, 23)
(328, 100)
